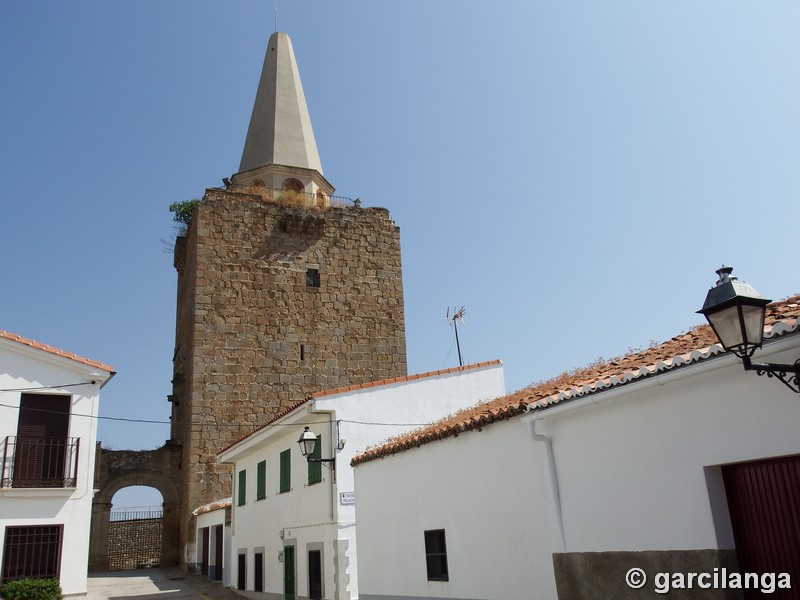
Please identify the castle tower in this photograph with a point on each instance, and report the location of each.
(281, 291)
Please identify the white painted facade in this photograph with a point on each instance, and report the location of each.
(213, 529)
(25, 368)
(634, 468)
(663, 441)
(479, 488)
(321, 517)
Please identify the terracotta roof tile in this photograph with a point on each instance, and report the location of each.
(360, 386)
(694, 345)
(53, 350)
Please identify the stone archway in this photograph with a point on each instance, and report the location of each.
(117, 469)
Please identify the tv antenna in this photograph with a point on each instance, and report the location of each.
(458, 315)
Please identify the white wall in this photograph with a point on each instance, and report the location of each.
(211, 520)
(480, 488)
(403, 406)
(312, 515)
(24, 367)
(633, 468)
(302, 515)
(640, 469)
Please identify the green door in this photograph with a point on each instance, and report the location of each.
(288, 572)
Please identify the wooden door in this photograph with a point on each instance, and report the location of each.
(288, 573)
(314, 575)
(218, 552)
(764, 504)
(205, 555)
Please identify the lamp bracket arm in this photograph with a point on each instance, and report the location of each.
(789, 375)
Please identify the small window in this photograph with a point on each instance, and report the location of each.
(242, 495)
(315, 468)
(436, 555)
(261, 480)
(286, 471)
(312, 278)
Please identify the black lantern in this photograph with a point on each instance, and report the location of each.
(308, 443)
(736, 311)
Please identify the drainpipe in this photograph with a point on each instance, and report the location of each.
(332, 435)
(557, 523)
(332, 487)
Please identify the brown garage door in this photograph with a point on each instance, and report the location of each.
(764, 504)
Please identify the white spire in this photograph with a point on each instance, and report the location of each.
(280, 142)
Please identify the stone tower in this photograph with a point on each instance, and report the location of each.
(283, 290)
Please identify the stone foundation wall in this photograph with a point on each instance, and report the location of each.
(592, 575)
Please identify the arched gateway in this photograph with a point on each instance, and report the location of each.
(119, 469)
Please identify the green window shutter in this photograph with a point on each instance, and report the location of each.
(315, 468)
(242, 495)
(261, 480)
(286, 471)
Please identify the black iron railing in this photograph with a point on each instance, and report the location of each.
(127, 514)
(40, 462)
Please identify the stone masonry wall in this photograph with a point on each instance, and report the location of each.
(253, 338)
(134, 544)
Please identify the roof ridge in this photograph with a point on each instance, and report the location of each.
(53, 350)
(402, 378)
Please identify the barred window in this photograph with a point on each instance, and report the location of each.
(32, 551)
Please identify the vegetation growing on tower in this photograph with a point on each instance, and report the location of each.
(183, 210)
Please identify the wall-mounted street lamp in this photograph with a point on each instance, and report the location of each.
(736, 313)
(308, 443)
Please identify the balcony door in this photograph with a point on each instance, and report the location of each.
(41, 445)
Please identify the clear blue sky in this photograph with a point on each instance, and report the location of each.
(572, 172)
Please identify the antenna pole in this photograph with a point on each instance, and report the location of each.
(458, 345)
(276, 19)
(458, 313)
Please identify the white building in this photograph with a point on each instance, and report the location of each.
(213, 537)
(294, 523)
(671, 460)
(48, 427)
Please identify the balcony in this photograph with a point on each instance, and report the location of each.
(39, 462)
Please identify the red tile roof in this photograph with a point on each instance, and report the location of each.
(57, 351)
(696, 344)
(362, 386)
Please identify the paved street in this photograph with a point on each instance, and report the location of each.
(155, 584)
